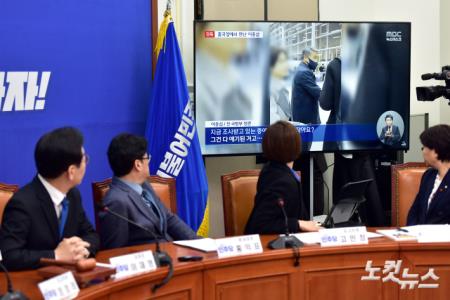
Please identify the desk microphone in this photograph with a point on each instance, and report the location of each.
(286, 241)
(162, 258)
(11, 294)
(280, 203)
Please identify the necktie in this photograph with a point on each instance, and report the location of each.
(150, 202)
(63, 216)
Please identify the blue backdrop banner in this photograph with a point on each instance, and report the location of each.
(83, 63)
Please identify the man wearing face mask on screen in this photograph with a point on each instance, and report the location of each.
(305, 109)
(305, 91)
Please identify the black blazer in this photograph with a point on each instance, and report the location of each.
(30, 226)
(305, 94)
(439, 210)
(393, 138)
(276, 181)
(330, 96)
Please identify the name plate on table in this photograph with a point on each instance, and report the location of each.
(59, 287)
(239, 245)
(134, 263)
(343, 236)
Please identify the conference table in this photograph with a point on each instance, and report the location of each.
(324, 273)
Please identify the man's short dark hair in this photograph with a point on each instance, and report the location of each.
(389, 116)
(57, 150)
(281, 142)
(123, 150)
(437, 138)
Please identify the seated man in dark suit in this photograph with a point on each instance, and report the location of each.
(132, 196)
(432, 203)
(45, 218)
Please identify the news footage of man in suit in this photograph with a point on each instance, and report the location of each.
(390, 134)
(305, 91)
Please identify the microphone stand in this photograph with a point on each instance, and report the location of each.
(286, 240)
(11, 294)
(162, 258)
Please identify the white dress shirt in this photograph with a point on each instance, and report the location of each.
(437, 183)
(56, 195)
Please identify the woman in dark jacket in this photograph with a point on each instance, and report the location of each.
(432, 203)
(277, 181)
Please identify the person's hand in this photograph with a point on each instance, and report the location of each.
(72, 248)
(81, 251)
(309, 225)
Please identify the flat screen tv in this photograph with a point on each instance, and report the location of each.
(345, 86)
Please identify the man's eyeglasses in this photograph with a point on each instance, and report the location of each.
(86, 157)
(148, 156)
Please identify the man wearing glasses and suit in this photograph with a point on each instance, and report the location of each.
(131, 196)
(45, 218)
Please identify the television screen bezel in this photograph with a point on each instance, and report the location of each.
(296, 21)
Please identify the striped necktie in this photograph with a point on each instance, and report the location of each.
(150, 202)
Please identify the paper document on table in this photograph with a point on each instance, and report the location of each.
(372, 235)
(398, 234)
(308, 238)
(429, 233)
(206, 245)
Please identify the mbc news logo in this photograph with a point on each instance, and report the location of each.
(393, 36)
(22, 91)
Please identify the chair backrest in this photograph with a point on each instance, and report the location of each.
(238, 193)
(405, 181)
(165, 188)
(6, 192)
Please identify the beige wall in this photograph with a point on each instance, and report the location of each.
(233, 10)
(445, 55)
(425, 38)
(293, 10)
(281, 10)
(183, 16)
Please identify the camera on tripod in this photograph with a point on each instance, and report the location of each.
(429, 93)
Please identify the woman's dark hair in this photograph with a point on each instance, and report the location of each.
(57, 150)
(437, 138)
(274, 54)
(282, 142)
(123, 150)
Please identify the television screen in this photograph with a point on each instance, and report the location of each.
(345, 86)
